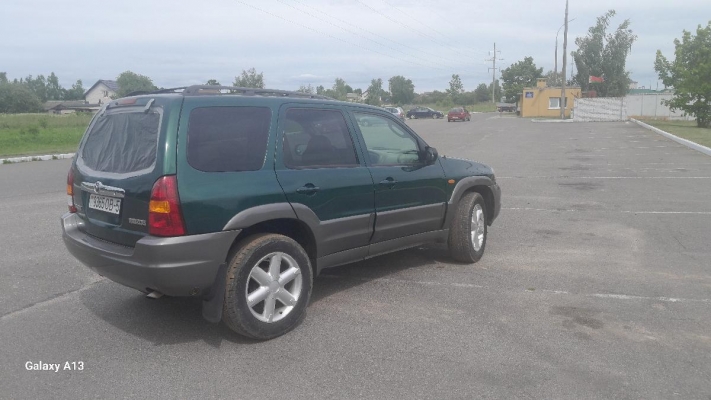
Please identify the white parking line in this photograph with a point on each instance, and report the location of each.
(607, 211)
(603, 177)
(609, 296)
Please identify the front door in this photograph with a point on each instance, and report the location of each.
(323, 175)
(409, 194)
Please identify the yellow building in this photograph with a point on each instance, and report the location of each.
(544, 101)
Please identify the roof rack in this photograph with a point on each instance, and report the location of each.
(141, 92)
(197, 90)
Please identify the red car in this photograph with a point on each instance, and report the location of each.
(458, 114)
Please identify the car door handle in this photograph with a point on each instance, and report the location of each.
(389, 182)
(308, 189)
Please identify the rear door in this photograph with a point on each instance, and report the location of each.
(116, 165)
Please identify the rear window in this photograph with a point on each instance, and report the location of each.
(228, 139)
(457, 110)
(123, 142)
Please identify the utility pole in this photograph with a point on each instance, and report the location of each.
(565, 58)
(493, 75)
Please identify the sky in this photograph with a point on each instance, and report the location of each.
(299, 42)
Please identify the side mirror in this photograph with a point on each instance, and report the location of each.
(430, 155)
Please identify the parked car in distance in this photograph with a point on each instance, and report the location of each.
(424, 112)
(241, 198)
(458, 114)
(397, 111)
(508, 107)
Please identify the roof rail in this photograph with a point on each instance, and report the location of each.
(141, 92)
(197, 90)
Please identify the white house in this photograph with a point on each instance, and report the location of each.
(101, 92)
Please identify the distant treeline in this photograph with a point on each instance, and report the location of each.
(26, 95)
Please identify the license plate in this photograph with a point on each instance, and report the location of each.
(103, 203)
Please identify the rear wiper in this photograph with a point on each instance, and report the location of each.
(148, 105)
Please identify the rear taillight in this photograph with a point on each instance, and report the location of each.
(164, 215)
(70, 191)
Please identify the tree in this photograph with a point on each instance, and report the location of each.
(75, 93)
(604, 55)
(518, 76)
(320, 90)
(375, 91)
(213, 82)
(250, 79)
(53, 88)
(482, 93)
(38, 86)
(339, 89)
(455, 86)
(3, 77)
(306, 89)
(689, 75)
(129, 82)
(18, 98)
(401, 89)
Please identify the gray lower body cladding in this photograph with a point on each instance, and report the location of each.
(175, 266)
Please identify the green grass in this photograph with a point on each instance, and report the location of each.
(684, 129)
(37, 134)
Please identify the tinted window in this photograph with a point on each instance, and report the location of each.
(228, 138)
(122, 142)
(317, 138)
(387, 142)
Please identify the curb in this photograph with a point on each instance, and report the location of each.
(48, 157)
(687, 143)
(552, 120)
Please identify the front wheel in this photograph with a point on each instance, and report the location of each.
(467, 233)
(269, 283)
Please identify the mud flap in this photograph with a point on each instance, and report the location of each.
(213, 303)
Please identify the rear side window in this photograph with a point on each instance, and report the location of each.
(122, 143)
(228, 139)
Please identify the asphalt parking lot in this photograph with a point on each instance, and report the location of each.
(596, 283)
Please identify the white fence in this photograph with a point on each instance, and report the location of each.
(650, 105)
(600, 109)
(621, 108)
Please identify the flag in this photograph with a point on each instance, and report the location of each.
(598, 79)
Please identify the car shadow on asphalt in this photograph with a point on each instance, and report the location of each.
(175, 320)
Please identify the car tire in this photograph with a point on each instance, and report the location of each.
(275, 272)
(468, 230)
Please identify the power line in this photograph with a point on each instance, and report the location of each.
(331, 36)
(409, 27)
(359, 35)
(370, 32)
(421, 23)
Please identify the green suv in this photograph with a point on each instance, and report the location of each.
(240, 197)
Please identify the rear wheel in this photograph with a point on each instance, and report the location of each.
(467, 233)
(268, 287)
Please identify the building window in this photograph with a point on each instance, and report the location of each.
(554, 103)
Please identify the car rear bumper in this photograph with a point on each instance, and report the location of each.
(175, 266)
